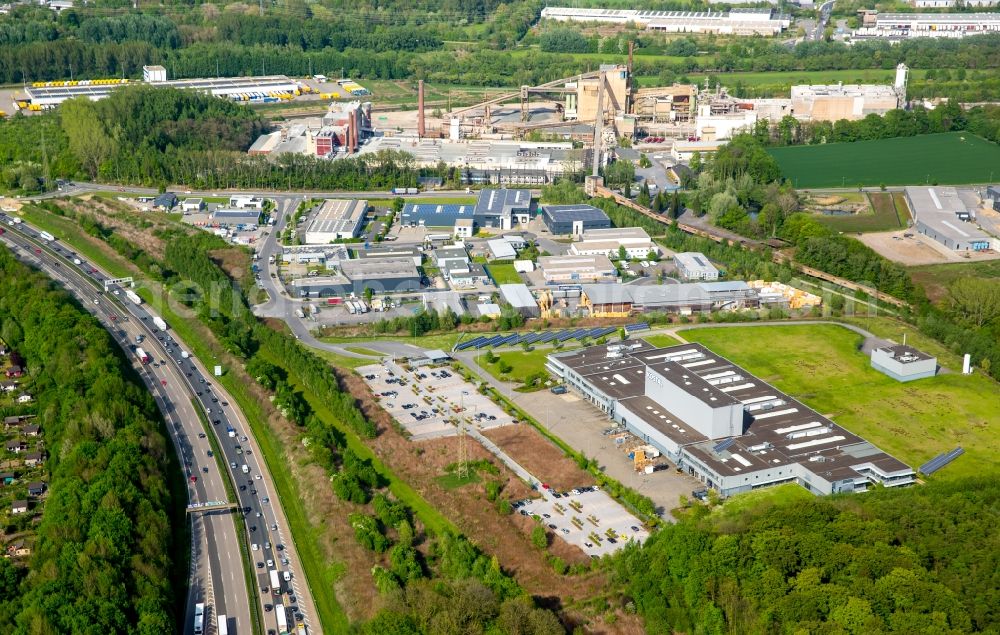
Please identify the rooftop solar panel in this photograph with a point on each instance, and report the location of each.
(723, 445)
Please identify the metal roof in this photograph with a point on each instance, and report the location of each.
(570, 213)
(518, 295)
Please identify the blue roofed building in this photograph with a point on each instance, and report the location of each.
(503, 208)
(434, 215)
(574, 219)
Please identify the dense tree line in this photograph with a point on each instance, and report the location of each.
(920, 560)
(102, 561)
(147, 136)
(402, 42)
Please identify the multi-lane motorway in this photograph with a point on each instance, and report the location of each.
(180, 384)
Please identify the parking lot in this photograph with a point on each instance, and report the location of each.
(587, 518)
(429, 402)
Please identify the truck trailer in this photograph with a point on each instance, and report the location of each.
(159, 323)
(132, 296)
(275, 582)
(142, 356)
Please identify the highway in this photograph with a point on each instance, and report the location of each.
(217, 570)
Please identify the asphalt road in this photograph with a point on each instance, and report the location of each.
(217, 574)
(824, 19)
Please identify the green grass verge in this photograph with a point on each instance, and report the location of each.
(444, 342)
(880, 217)
(523, 363)
(360, 350)
(504, 274)
(67, 231)
(342, 361)
(430, 517)
(820, 365)
(454, 481)
(737, 505)
(958, 158)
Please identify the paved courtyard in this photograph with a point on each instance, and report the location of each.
(430, 402)
(589, 519)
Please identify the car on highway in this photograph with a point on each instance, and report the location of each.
(194, 479)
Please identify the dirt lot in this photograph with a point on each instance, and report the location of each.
(917, 249)
(506, 537)
(540, 457)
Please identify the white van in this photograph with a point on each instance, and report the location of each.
(246, 470)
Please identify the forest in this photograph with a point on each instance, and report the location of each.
(920, 560)
(112, 526)
(393, 40)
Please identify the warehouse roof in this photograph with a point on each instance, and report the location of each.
(379, 268)
(944, 210)
(518, 295)
(499, 202)
(501, 248)
(433, 215)
(338, 216)
(570, 213)
(648, 294)
(781, 430)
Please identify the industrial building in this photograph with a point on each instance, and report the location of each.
(519, 297)
(667, 104)
(733, 22)
(903, 363)
(624, 300)
(609, 242)
(330, 255)
(336, 219)
(849, 101)
(341, 130)
(685, 150)
(581, 102)
(574, 219)
(501, 249)
(693, 265)
(945, 4)
(192, 205)
(434, 215)
(720, 424)
(501, 209)
(711, 126)
(577, 269)
(490, 162)
(47, 94)
(946, 215)
(246, 201)
(228, 217)
(899, 26)
(394, 251)
(381, 275)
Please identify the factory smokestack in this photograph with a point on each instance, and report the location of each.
(420, 108)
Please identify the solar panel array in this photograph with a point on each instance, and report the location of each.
(516, 339)
(639, 326)
(940, 461)
(723, 445)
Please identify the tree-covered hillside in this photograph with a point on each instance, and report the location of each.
(103, 551)
(921, 560)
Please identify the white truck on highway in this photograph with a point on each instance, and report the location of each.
(279, 613)
(199, 618)
(46, 236)
(133, 296)
(275, 582)
(160, 324)
(142, 356)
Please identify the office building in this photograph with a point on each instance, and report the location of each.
(574, 219)
(720, 424)
(693, 265)
(609, 242)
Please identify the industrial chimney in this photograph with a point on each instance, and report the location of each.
(420, 108)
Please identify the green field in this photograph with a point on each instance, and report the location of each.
(952, 158)
(935, 279)
(504, 274)
(882, 216)
(821, 366)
